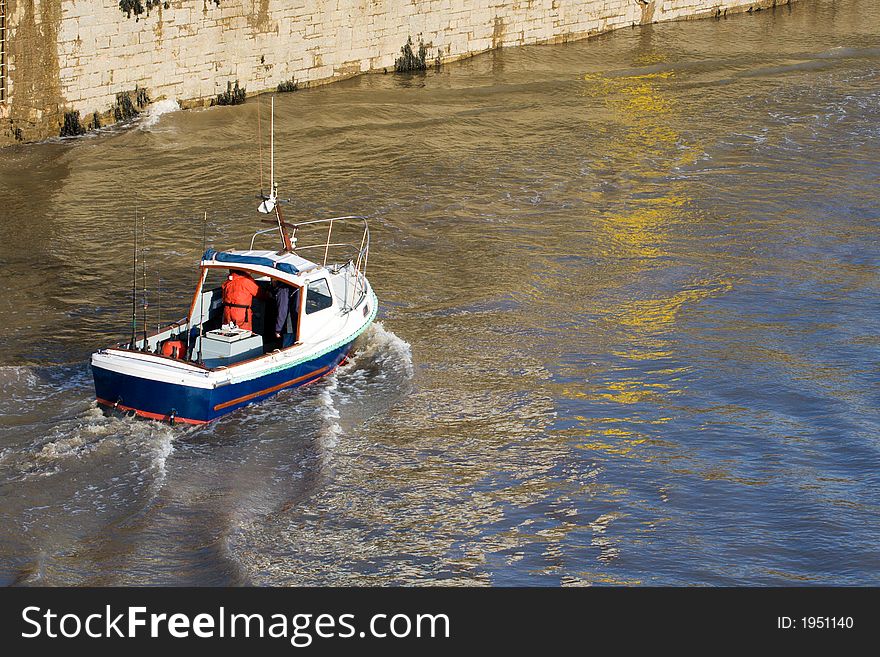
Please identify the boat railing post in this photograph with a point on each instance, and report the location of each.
(366, 250)
(201, 320)
(327, 247)
(203, 275)
(361, 250)
(346, 305)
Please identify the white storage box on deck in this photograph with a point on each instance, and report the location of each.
(225, 346)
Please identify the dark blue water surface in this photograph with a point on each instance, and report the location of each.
(629, 325)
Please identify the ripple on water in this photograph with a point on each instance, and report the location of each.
(628, 292)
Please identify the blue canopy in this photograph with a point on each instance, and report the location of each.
(241, 259)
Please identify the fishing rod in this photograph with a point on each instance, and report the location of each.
(272, 148)
(189, 319)
(201, 288)
(144, 267)
(158, 302)
(134, 284)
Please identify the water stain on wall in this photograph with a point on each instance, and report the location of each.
(648, 7)
(34, 110)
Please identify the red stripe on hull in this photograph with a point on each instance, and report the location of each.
(319, 373)
(148, 414)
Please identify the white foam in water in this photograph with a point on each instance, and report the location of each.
(17, 384)
(74, 437)
(17, 374)
(21, 386)
(90, 431)
(163, 445)
(382, 350)
(156, 110)
(331, 430)
(387, 349)
(143, 437)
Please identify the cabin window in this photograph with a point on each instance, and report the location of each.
(318, 297)
(2, 51)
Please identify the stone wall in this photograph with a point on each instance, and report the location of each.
(68, 56)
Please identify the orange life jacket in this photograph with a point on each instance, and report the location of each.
(238, 294)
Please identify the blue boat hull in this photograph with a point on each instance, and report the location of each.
(166, 401)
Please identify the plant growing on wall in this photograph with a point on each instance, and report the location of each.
(409, 61)
(71, 126)
(232, 96)
(287, 85)
(138, 7)
(130, 7)
(141, 98)
(124, 108)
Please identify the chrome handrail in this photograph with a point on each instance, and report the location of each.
(363, 251)
(261, 232)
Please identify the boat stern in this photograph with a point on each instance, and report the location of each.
(152, 386)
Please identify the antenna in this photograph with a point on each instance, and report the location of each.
(269, 203)
(260, 141)
(273, 146)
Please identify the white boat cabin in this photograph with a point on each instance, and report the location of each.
(322, 300)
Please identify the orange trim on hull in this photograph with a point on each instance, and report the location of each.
(317, 373)
(149, 415)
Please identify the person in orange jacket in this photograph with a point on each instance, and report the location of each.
(239, 290)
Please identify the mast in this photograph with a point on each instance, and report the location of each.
(282, 227)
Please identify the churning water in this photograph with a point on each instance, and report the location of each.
(629, 325)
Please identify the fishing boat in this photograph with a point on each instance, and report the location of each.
(199, 368)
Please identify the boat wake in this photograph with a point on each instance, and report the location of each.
(378, 373)
(381, 361)
(24, 386)
(76, 472)
(329, 432)
(53, 403)
(388, 354)
(71, 441)
(321, 427)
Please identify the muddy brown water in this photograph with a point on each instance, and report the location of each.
(628, 327)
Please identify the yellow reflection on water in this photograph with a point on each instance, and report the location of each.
(644, 150)
(660, 314)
